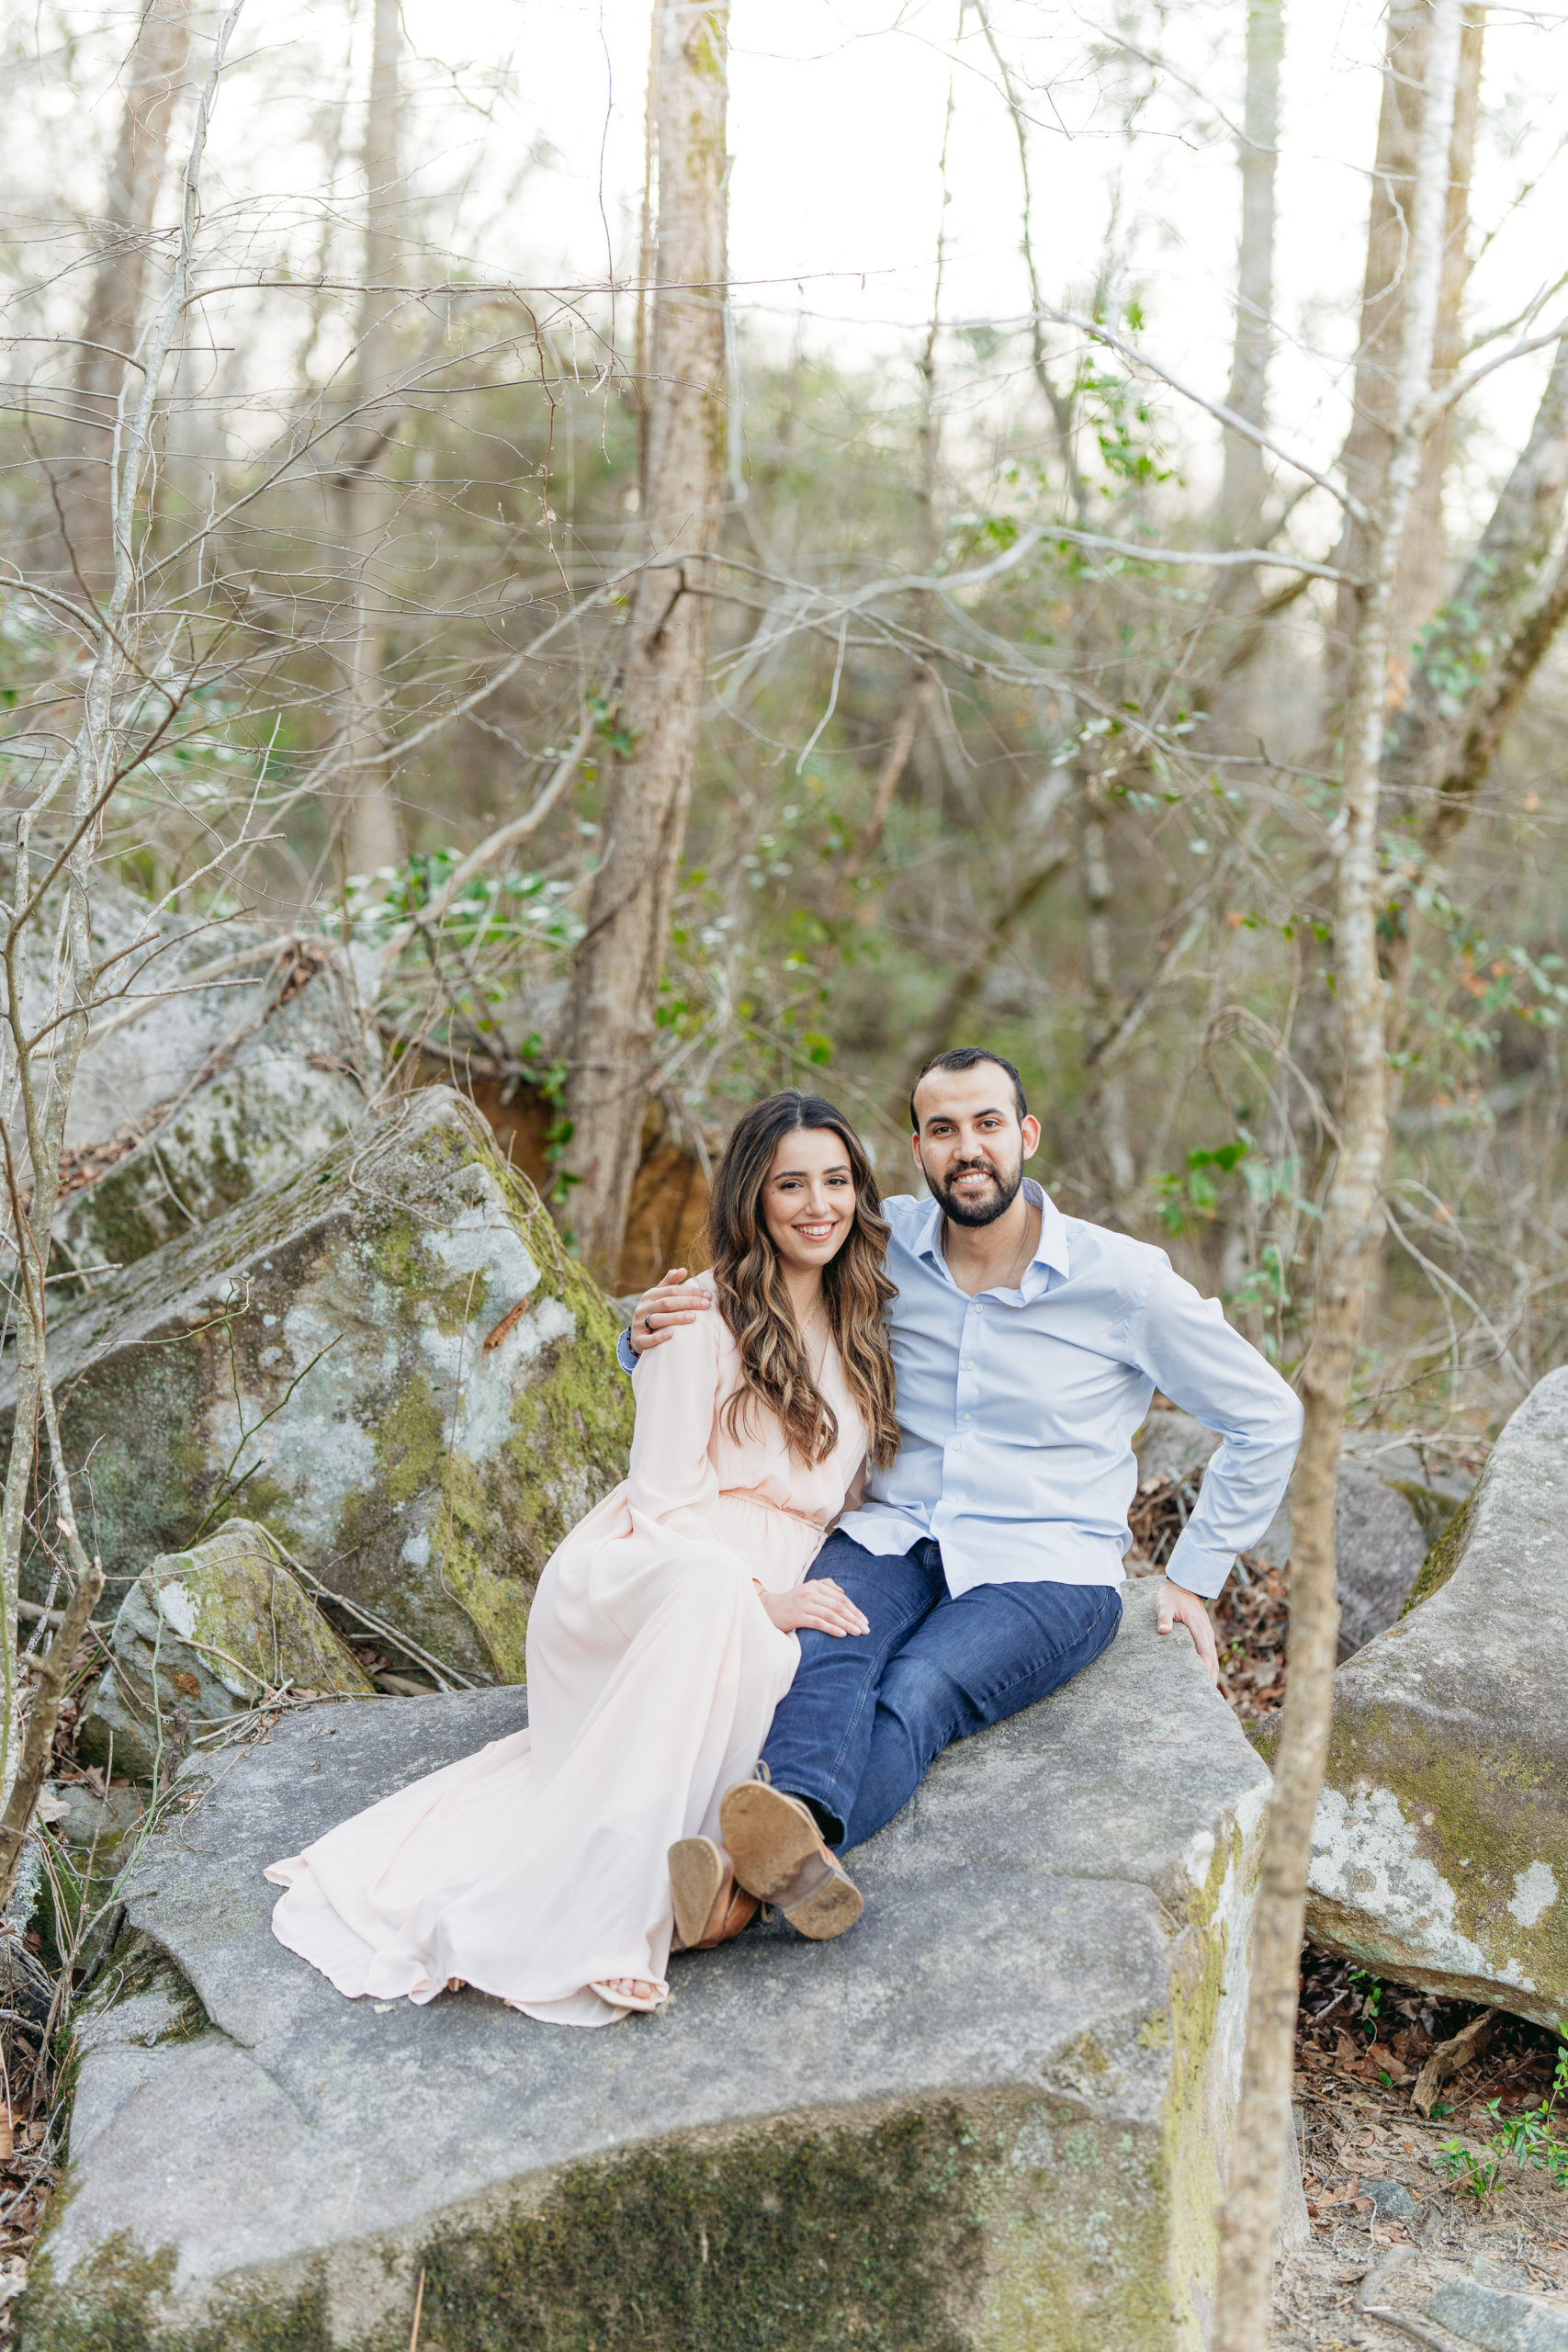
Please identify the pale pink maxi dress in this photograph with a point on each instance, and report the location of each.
(539, 1864)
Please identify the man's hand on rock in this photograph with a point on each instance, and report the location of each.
(1180, 1607)
(671, 1301)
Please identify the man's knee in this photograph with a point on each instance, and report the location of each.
(923, 1699)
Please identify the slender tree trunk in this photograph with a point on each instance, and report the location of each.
(611, 1014)
(364, 495)
(1418, 586)
(1351, 1232)
(1244, 482)
(1106, 1081)
(114, 304)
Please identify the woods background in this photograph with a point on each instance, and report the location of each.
(717, 555)
(962, 760)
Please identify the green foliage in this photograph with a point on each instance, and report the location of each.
(1118, 416)
(1531, 2140)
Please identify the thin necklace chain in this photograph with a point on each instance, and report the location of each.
(818, 1309)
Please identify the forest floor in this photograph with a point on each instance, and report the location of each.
(1390, 2220)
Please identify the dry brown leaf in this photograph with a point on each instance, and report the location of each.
(507, 1324)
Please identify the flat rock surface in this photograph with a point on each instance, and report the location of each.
(1441, 1850)
(1022, 1920)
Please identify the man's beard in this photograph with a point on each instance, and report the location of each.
(988, 1206)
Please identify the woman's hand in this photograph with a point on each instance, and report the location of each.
(817, 1606)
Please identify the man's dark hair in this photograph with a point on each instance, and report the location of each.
(968, 1058)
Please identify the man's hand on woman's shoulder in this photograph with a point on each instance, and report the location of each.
(674, 1300)
(1180, 1607)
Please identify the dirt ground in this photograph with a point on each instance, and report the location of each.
(1359, 2045)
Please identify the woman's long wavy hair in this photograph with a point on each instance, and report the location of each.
(776, 1365)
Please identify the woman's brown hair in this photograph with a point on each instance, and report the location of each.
(775, 1366)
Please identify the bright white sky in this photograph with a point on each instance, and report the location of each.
(836, 129)
(837, 116)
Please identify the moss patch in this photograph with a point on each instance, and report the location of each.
(817, 2240)
(1444, 1555)
(1484, 1820)
(110, 2306)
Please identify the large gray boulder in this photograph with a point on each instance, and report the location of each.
(389, 1361)
(996, 2114)
(1441, 1851)
(221, 1056)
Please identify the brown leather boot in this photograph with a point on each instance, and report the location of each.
(779, 1856)
(709, 1907)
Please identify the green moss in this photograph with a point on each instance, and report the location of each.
(110, 2305)
(480, 1567)
(1024, 2226)
(1078, 2219)
(138, 1965)
(1483, 1819)
(817, 2240)
(1433, 1511)
(1443, 1557)
(410, 1440)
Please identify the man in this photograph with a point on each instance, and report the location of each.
(987, 1560)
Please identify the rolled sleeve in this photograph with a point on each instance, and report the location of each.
(625, 1354)
(1214, 1373)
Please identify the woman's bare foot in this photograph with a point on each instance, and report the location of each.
(638, 1988)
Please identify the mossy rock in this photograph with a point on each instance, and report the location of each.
(203, 1635)
(389, 1361)
(1440, 1850)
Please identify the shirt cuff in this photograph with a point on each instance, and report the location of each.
(1199, 1567)
(625, 1354)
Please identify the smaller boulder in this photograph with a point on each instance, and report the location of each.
(202, 1636)
(1440, 1845)
(1499, 2323)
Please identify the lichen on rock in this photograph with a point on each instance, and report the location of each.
(389, 1360)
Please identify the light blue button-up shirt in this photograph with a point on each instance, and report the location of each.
(1016, 1409)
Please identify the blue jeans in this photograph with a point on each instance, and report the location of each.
(867, 1713)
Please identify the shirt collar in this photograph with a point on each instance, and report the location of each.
(1050, 1252)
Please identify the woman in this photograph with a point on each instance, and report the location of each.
(662, 1637)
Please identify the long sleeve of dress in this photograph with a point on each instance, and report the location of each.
(671, 1477)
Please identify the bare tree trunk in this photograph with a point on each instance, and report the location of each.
(1351, 1232)
(1107, 1081)
(1419, 585)
(1244, 482)
(113, 304)
(614, 986)
(363, 496)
